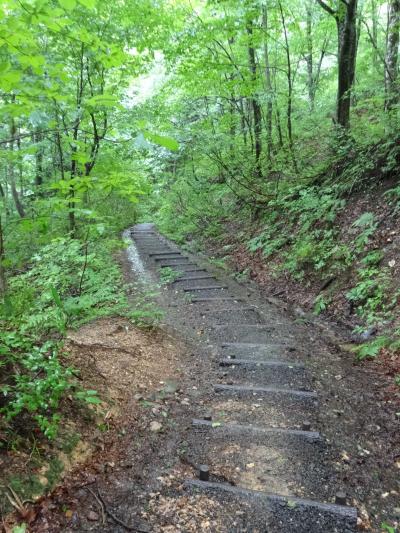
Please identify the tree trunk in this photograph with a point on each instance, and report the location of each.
(254, 102)
(374, 18)
(289, 79)
(290, 90)
(392, 54)
(270, 92)
(310, 58)
(11, 173)
(278, 126)
(75, 133)
(3, 284)
(232, 125)
(346, 23)
(37, 137)
(313, 66)
(347, 52)
(243, 121)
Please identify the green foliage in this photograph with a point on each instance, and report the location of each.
(372, 349)
(21, 528)
(67, 283)
(169, 275)
(99, 126)
(311, 241)
(369, 296)
(320, 304)
(388, 528)
(368, 226)
(144, 311)
(394, 195)
(40, 385)
(242, 276)
(164, 141)
(70, 177)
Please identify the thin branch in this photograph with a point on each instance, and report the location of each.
(375, 46)
(327, 8)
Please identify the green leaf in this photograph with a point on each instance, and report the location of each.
(19, 529)
(166, 142)
(92, 399)
(108, 100)
(67, 4)
(90, 4)
(388, 528)
(10, 80)
(56, 298)
(366, 219)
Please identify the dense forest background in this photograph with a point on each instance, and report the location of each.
(264, 130)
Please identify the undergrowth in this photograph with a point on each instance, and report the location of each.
(313, 246)
(66, 283)
(299, 233)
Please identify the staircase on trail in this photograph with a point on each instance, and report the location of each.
(261, 427)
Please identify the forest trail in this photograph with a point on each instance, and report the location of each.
(257, 443)
(258, 431)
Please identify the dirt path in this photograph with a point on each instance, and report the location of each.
(284, 429)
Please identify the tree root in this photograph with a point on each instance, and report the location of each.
(106, 511)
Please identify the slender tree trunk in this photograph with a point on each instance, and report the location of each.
(74, 166)
(232, 125)
(254, 102)
(38, 162)
(392, 55)
(11, 173)
(20, 167)
(290, 89)
(243, 121)
(247, 107)
(279, 126)
(270, 92)
(346, 23)
(3, 283)
(310, 58)
(313, 66)
(347, 53)
(289, 79)
(374, 19)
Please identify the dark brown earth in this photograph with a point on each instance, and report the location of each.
(157, 381)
